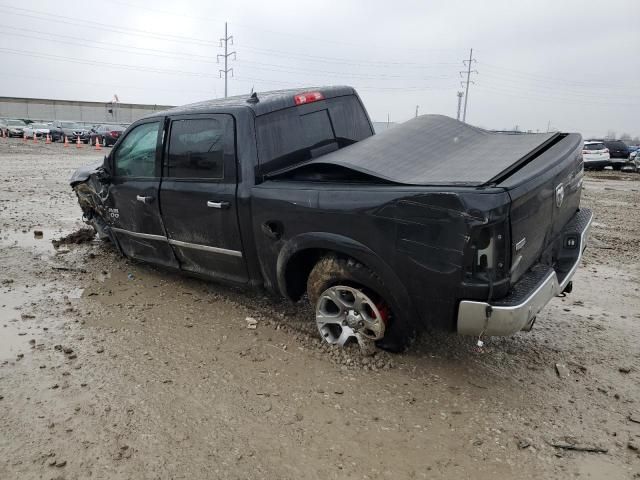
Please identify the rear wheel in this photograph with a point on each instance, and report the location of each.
(351, 305)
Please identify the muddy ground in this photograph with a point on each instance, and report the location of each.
(115, 370)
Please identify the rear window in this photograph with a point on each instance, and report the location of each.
(297, 134)
(594, 146)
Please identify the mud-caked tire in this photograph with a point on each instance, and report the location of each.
(332, 270)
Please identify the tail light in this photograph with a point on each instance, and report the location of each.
(606, 150)
(309, 97)
(585, 151)
(114, 133)
(487, 252)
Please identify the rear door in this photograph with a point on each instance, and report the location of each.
(198, 196)
(133, 195)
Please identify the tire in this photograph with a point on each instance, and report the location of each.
(334, 272)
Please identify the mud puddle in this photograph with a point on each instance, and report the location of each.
(21, 326)
(37, 239)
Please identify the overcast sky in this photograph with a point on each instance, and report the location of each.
(573, 65)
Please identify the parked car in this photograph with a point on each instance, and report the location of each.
(71, 130)
(15, 127)
(107, 135)
(385, 234)
(595, 155)
(618, 151)
(39, 129)
(4, 130)
(634, 159)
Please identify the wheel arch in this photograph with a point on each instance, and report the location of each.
(300, 254)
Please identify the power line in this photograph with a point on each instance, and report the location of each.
(47, 56)
(10, 10)
(227, 38)
(467, 63)
(197, 58)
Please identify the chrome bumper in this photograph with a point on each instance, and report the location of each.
(482, 318)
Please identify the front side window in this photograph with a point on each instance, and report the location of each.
(136, 155)
(197, 147)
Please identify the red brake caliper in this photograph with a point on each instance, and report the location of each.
(385, 313)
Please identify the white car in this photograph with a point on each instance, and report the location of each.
(40, 130)
(634, 157)
(595, 155)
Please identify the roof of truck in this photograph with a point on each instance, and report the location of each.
(267, 101)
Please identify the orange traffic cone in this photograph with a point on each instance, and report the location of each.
(66, 142)
(35, 139)
(48, 139)
(98, 146)
(78, 145)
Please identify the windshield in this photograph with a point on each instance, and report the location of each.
(594, 146)
(16, 123)
(39, 125)
(69, 125)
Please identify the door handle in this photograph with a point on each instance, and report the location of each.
(211, 204)
(144, 199)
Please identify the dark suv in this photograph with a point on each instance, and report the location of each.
(619, 152)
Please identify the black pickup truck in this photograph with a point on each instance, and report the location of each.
(433, 222)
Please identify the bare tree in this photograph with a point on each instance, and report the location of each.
(611, 135)
(625, 136)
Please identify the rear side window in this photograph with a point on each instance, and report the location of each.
(136, 155)
(297, 134)
(197, 147)
(594, 146)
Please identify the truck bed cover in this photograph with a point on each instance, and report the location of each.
(437, 150)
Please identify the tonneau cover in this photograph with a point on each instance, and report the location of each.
(435, 149)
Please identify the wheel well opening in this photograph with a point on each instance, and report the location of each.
(298, 269)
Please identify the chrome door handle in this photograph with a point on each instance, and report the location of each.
(144, 199)
(217, 204)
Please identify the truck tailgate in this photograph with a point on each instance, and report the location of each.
(545, 195)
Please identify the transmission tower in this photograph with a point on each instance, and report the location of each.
(465, 84)
(225, 42)
(460, 95)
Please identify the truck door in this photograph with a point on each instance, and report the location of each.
(198, 196)
(133, 195)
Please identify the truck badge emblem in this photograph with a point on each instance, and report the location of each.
(559, 195)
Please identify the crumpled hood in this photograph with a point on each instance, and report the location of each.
(83, 173)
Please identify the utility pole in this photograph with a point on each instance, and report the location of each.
(417, 107)
(226, 56)
(467, 63)
(460, 95)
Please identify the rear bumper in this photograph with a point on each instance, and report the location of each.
(596, 163)
(531, 293)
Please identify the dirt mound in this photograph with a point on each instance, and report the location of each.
(82, 235)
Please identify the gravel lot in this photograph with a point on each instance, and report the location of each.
(111, 369)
